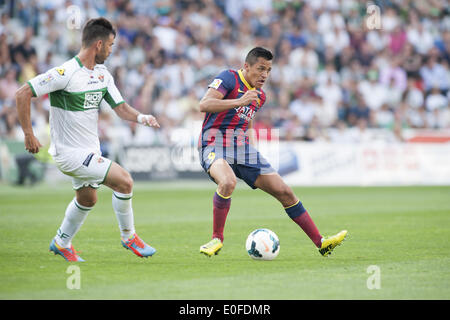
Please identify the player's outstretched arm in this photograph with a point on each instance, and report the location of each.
(213, 101)
(126, 112)
(23, 101)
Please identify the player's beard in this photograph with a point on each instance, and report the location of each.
(101, 56)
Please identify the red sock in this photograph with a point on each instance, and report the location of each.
(221, 206)
(301, 217)
(307, 224)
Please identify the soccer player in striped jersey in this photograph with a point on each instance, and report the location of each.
(230, 104)
(76, 89)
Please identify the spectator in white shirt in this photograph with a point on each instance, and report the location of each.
(373, 92)
(421, 39)
(436, 100)
(434, 74)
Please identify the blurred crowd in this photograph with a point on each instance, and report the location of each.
(335, 76)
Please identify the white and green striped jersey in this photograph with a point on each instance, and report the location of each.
(75, 94)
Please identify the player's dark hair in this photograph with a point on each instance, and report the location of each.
(256, 53)
(96, 29)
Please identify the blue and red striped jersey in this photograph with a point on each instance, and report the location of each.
(231, 123)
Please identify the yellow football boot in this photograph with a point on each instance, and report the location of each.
(212, 247)
(328, 244)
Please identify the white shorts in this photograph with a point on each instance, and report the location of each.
(87, 169)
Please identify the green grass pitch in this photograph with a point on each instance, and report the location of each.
(403, 231)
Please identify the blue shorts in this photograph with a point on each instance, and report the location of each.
(245, 161)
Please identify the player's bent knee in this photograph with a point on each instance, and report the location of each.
(119, 180)
(86, 196)
(126, 185)
(129, 182)
(228, 185)
(87, 201)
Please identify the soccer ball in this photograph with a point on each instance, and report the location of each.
(262, 244)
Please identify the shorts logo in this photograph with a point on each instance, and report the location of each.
(100, 160)
(88, 159)
(92, 99)
(101, 77)
(215, 84)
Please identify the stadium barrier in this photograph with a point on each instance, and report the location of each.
(161, 162)
(368, 164)
(306, 163)
(19, 167)
(423, 160)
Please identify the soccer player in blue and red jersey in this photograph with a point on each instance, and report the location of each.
(230, 103)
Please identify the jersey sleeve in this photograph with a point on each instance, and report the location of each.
(113, 96)
(224, 82)
(53, 80)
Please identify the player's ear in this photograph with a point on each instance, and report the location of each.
(246, 66)
(99, 44)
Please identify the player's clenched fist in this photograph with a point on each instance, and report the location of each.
(249, 96)
(147, 120)
(32, 144)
